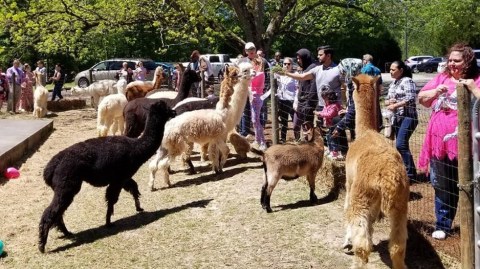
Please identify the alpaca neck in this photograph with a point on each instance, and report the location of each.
(152, 135)
(185, 85)
(157, 81)
(365, 115)
(239, 96)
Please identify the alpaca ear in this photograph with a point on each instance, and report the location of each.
(374, 81)
(227, 71)
(355, 81)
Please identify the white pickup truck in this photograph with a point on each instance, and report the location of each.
(217, 61)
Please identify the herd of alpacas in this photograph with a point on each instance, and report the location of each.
(169, 125)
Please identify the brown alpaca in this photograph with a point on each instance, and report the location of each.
(376, 182)
(137, 89)
(240, 144)
(226, 87)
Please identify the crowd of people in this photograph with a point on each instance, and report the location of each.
(314, 89)
(19, 80)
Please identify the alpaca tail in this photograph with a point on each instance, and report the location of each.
(49, 170)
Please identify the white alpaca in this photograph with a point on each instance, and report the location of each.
(97, 89)
(40, 98)
(122, 86)
(205, 126)
(110, 114)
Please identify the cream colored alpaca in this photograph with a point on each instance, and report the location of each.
(110, 114)
(376, 182)
(137, 89)
(201, 127)
(40, 98)
(97, 89)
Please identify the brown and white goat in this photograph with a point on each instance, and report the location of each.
(291, 161)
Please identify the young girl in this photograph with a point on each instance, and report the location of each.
(330, 111)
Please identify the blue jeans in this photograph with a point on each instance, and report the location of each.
(340, 142)
(285, 108)
(57, 91)
(444, 179)
(246, 120)
(264, 113)
(403, 128)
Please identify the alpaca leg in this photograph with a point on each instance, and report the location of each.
(213, 155)
(204, 152)
(311, 183)
(113, 191)
(263, 193)
(54, 212)
(153, 166)
(398, 236)
(361, 238)
(121, 124)
(187, 158)
(132, 187)
(114, 126)
(224, 151)
(62, 228)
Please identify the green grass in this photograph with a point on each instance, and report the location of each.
(66, 85)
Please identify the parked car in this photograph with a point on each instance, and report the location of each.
(107, 70)
(413, 61)
(430, 65)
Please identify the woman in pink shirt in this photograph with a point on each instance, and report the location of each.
(439, 153)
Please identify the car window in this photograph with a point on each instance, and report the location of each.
(149, 65)
(100, 67)
(477, 54)
(131, 65)
(214, 59)
(115, 65)
(226, 58)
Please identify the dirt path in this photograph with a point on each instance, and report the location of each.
(203, 221)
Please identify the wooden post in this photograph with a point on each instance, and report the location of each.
(11, 94)
(465, 177)
(202, 84)
(273, 98)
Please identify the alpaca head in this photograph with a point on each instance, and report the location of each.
(78, 91)
(246, 70)
(159, 73)
(311, 134)
(365, 89)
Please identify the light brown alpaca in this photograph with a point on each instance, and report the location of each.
(376, 182)
(137, 89)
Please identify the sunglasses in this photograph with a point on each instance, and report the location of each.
(286, 63)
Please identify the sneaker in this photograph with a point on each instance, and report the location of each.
(439, 235)
(262, 147)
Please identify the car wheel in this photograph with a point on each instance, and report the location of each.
(83, 83)
(415, 70)
(428, 70)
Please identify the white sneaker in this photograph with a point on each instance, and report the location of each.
(439, 235)
(262, 147)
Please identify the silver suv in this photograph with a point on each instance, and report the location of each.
(107, 70)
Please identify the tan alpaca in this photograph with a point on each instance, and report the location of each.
(137, 89)
(376, 182)
(40, 97)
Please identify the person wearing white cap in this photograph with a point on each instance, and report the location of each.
(256, 89)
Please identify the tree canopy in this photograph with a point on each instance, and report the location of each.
(85, 31)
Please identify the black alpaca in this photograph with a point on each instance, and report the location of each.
(135, 112)
(105, 161)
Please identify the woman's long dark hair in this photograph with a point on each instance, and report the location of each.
(407, 72)
(471, 69)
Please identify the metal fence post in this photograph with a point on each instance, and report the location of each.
(11, 94)
(273, 95)
(465, 176)
(202, 84)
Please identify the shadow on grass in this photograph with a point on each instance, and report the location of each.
(330, 197)
(211, 177)
(126, 224)
(420, 252)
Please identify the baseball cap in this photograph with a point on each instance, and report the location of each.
(249, 45)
